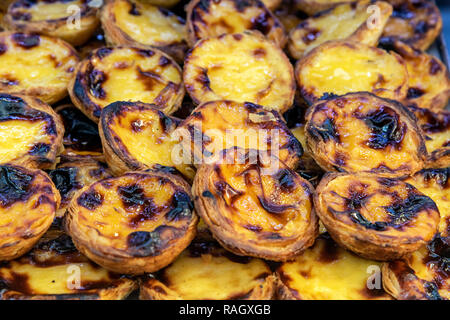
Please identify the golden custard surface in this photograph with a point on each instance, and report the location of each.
(213, 276)
(47, 63)
(27, 205)
(151, 26)
(328, 272)
(241, 67)
(340, 68)
(145, 138)
(367, 134)
(380, 206)
(435, 184)
(114, 208)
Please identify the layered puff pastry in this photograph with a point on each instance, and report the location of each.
(256, 207)
(28, 204)
(139, 24)
(242, 67)
(35, 65)
(133, 224)
(377, 218)
(71, 20)
(206, 271)
(126, 74)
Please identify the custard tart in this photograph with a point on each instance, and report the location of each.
(377, 218)
(211, 18)
(362, 132)
(133, 224)
(340, 67)
(161, 3)
(206, 271)
(218, 125)
(329, 272)
(428, 79)
(71, 20)
(138, 136)
(435, 183)
(349, 21)
(415, 22)
(71, 176)
(421, 276)
(81, 137)
(35, 65)
(126, 74)
(49, 272)
(313, 7)
(435, 128)
(242, 67)
(31, 132)
(256, 206)
(134, 23)
(28, 203)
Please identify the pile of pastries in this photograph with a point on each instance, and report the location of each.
(223, 149)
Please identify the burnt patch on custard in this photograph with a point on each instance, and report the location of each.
(259, 53)
(432, 122)
(95, 81)
(435, 67)
(286, 181)
(134, 200)
(80, 132)
(103, 52)
(144, 243)
(326, 131)
(134, 10)
(15, 108)
(149, 78)
(386, 127)
(90, 200)
(15, 186)
(26, 41)
(40, 149)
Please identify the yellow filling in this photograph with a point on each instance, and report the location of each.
(345, 278)
(210, 277)
(17, 137)
(42, 10)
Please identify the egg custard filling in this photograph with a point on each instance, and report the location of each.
(256, 207)
(206, 271)
(219, 125)
(126, 74)
(48, 272)
(136, 223)
(242, 67)
(211, 18)
(30, 132)
(377, 218)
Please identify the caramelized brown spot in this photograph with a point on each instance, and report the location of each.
(90, 200)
